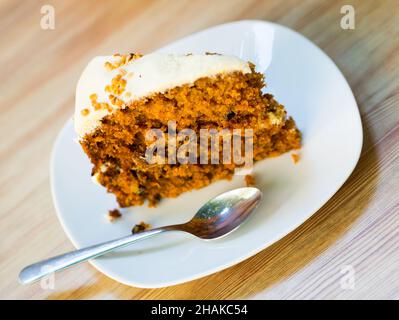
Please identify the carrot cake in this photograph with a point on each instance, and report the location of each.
(121, 98)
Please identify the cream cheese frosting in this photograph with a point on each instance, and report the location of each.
(152, 73)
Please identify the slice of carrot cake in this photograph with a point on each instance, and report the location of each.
(142, 121)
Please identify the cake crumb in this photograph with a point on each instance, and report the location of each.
(85, 112)
(114, 215)
(249, 180)
(295, 157)
(134, 56)
(142, 226)
(122, 60)
(108, 65)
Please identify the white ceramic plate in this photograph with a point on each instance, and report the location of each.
(314, 92)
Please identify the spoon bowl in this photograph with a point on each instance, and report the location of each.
(224, 213)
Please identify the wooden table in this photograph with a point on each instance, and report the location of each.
(356, 231)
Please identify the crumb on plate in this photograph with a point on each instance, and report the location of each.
(249, 180)
(114, 215)
(142, 226)
(295, 157)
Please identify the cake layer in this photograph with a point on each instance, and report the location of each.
(136, 77)
(227, 100)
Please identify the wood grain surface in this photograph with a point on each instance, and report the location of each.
(356, 231)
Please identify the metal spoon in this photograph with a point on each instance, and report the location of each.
(216, 218)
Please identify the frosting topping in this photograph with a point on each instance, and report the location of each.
(111, 82)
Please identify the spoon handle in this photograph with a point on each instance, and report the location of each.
(43, 268)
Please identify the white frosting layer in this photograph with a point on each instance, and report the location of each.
(150, 74)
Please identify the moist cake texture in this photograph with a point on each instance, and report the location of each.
(120, 98)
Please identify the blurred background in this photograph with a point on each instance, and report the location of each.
(41, 61)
